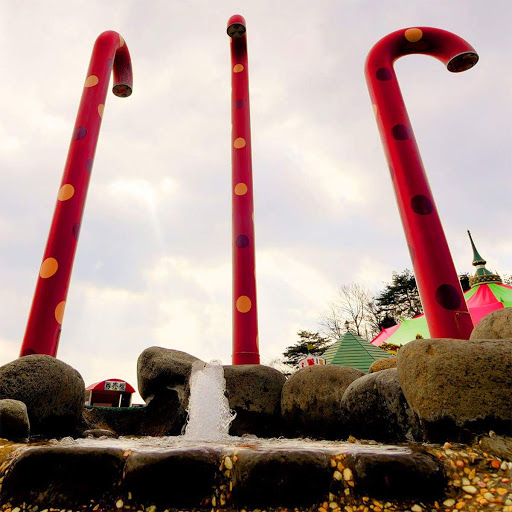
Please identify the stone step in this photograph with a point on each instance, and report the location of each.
(103, 478)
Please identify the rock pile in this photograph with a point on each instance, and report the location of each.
(441, 390)
(52, 391)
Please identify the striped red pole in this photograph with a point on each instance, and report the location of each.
(45, 319)
(245, 318)
(440, 291)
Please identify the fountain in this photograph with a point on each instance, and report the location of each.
(209, 415)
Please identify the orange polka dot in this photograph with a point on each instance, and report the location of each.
(239, 143)
(101, 108)
(121, 41)
(66, 192)
(413, 35)
(91, 81)
(48, 268)
(238, 68)
(241, 189)
(375, 109)
(243, 304)
(59, 311)
(257, 342)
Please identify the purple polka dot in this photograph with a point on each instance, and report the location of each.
(448, 297)
(400, 132)
(76, 230)
(421, 205)
(80, 132)
(384, 74)
(242, 241)
(412, 252)
(239, 103)
(392, 172)
(88, 165)
(109, 63)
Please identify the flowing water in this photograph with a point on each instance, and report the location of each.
(209, 415)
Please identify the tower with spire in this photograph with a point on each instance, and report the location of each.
(482, 275)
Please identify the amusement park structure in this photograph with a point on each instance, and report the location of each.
(45, 319)
(245, 317)
(445, 309)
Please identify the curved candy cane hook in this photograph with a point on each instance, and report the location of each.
(45, 319)
(441, 295)
(245, 319)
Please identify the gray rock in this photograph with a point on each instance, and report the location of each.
(52, 390)
(497, 325)
(63, 477)
(398, 476)
(458, 388)
(177, 478)
(383, 364)
(254, 393)
(163, 368)
(311, 400)
(276, 479)
(99, 432)
(375, 408)
(14, 422)
(499, 446)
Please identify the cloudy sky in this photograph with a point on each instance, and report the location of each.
(153, 264)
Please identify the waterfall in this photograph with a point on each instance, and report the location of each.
(209, 415)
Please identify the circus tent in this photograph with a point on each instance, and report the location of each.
(487, 294)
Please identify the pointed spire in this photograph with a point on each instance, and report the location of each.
(477, 259)
(482, 275)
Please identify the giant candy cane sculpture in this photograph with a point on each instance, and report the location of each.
(441, 295)
(45, 319)
(245, 319)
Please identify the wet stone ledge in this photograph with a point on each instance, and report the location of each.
(366, 478)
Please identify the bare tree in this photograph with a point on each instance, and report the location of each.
(353, 304)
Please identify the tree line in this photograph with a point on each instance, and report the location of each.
(364, 313)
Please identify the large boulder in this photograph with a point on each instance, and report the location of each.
(163, 379)
(458, 388)
(375, 408)
(14, 422)
(254, 393)
(382, 364)
(52, 390)
(497, 325)
(311, 400)
(161, 368)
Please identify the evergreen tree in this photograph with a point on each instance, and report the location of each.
(309, 343)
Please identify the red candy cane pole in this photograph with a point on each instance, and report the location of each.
(245, 318)
(45, 319)
(441, 295)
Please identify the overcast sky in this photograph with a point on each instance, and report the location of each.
(153, 263)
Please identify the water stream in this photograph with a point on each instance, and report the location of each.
(209, 415)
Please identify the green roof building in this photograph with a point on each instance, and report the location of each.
(352, 350)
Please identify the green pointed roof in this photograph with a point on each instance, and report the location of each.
(482, 275)
(354, 351)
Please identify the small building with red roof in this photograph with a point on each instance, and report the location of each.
(109, 393)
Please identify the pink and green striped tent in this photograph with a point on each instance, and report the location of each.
(481, 300)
